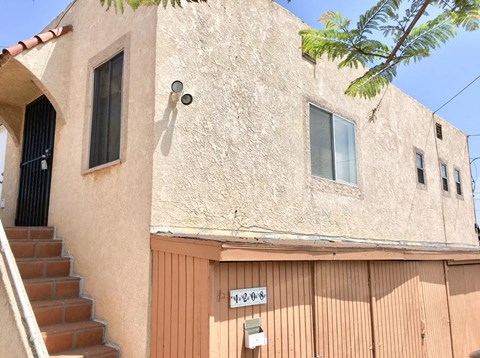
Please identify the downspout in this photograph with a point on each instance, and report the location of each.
(29, 322)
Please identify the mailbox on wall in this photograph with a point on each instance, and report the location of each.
(254, 335)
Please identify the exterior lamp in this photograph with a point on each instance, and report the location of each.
(177, 88)
(187, 99)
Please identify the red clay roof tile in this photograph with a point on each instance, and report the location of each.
(27, 44)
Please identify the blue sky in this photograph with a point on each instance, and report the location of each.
(431, 82)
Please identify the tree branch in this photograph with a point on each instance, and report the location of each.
(407, 32)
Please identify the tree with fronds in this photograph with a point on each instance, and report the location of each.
(135, 4)
(391, 33)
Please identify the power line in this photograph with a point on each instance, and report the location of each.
(451, 99)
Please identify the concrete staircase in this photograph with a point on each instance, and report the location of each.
(64, 317)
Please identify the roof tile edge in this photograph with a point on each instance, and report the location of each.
(30, 43)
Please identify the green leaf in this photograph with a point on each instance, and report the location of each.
(372, 82)
(135, 4)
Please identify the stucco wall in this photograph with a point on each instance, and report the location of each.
(13, 339)
(238, 157)
(10, 181)
(104, 215)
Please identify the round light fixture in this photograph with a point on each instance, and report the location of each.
(177, 86)
(187, 99)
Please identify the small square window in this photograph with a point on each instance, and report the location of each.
(420, 168)
(107, 112)
(444, 174)
(438, 130)
(458, 181)
(332, 146)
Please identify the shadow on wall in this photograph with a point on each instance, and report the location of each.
(165, 127)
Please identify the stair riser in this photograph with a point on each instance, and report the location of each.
(64, 318)
(44, 268)
(36, 249)
(63, 314)
(29, 234)
(72, 340)
(52, 290)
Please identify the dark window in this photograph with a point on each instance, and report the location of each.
(332, 146)
(107, 112)
(444, 177)
(458, 182)
(438, 129)
(420, 168)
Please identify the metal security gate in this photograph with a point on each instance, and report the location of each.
(36, 164)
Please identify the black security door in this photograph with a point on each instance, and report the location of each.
(36, 164)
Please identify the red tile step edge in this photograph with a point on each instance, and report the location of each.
(63, 337)
(89, 352)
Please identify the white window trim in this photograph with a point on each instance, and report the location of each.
(355, 185)
(443, 164)
(459, 181)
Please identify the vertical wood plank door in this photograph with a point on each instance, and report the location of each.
(342, 305)
(436, 327)
(464, 290)
(396, 308)
(180, 306)
(287, 318)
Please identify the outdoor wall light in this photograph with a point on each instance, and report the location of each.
(177, 88)
(187, 99)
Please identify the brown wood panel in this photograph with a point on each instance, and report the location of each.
(464, 297)
(180, 306)
(282, 317)
(436, 326)
(155, 303)
(342, 305)
(397, 309)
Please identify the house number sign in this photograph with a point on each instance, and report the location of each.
(248, 297)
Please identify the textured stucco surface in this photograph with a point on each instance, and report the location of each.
(13, 339)
(238, 157)
(10, 182)
(103, 215)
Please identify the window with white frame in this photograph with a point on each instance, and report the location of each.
(332, 146)
(420, 168)
(458, 182)
(444, 173)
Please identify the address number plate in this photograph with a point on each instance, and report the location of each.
(248, 297)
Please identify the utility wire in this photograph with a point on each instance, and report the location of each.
(451, 99)
(65, 12)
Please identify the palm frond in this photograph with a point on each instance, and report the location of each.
(377, 14)
(426, 37)
(135, 4)
(372, 82)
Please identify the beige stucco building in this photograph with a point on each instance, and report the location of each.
(235, 177)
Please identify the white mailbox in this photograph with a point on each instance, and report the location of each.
(254, 335)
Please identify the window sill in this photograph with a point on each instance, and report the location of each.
(335, 187)
(422, 186)
(102, 166)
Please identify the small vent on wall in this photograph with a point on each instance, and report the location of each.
(438, 129)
